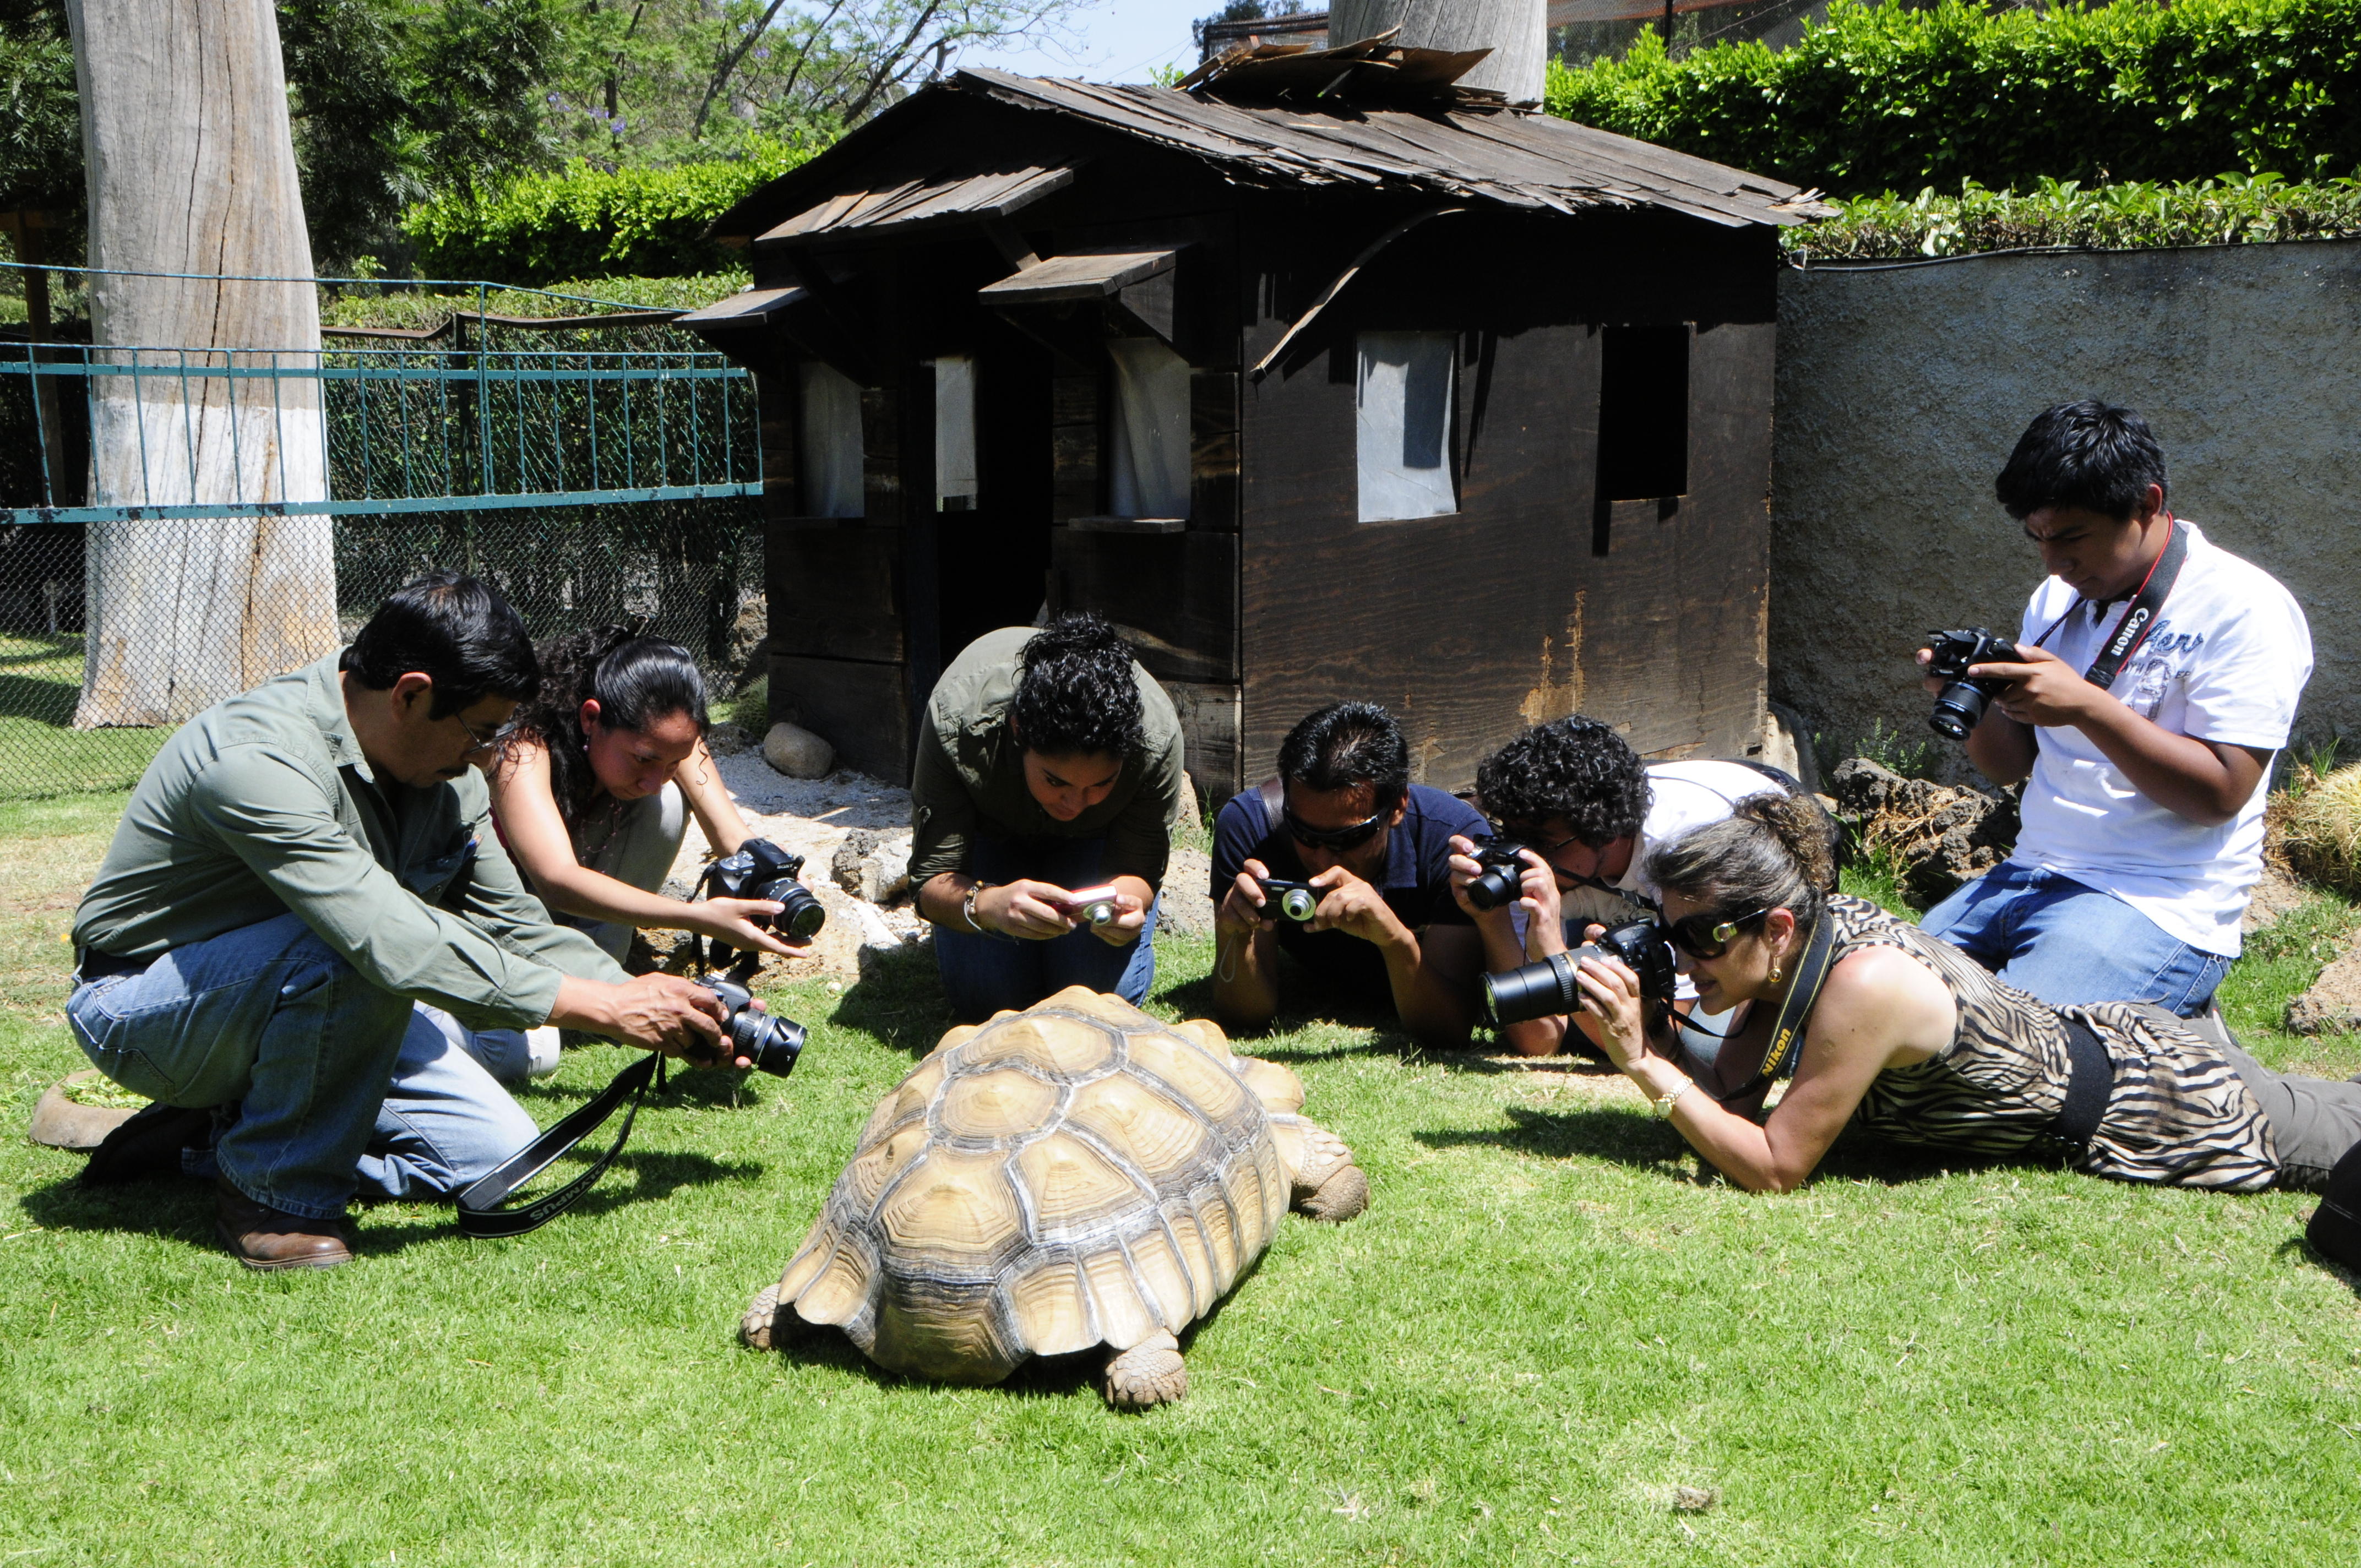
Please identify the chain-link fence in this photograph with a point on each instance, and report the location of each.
(691, 570)
(597, 471)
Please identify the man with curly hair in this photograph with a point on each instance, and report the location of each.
(1587, 811)
(1375, 848)
(1048, 765)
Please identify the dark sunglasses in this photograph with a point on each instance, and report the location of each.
(1707, 936)
(1347, 838)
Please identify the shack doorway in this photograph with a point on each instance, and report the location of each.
(991, 553)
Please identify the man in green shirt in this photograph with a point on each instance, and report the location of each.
(305, 912)
(1048, 765)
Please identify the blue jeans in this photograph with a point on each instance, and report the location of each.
(982, 975)
(330, 1085)
(2051, 936)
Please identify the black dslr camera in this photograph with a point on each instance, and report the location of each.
(762, 870)
(1961, 705)
(772, 1044)
(1541, 989)
(1503, 877)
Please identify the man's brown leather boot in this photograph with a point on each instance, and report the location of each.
(266, 1238)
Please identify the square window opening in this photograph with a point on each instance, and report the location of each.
(1643, 413)
(1402, 425)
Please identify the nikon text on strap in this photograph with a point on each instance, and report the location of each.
(2140, 616)
(1786, 1046)
(480, 1214)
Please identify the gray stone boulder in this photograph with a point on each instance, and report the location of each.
(793, 751)
(1939, 834)
(871, 865)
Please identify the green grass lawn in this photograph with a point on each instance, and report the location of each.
(1546, 1324)
(40, 754)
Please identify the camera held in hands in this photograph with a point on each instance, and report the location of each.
(772, 1044)
(762, 870)
(1299, 901)
(1961, 705)
(1547, 987)
(1503, 878)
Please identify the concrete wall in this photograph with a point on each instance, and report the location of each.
(1902, 391)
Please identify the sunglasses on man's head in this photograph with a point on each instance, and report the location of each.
(1351, 836)
(1707, 936)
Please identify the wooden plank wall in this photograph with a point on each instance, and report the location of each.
(1473, 626)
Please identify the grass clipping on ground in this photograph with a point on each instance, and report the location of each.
(1544, 1342)
(2318, 828)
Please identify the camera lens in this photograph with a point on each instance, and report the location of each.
(772, 1043)
(1958, 710)
(1298, 904)
(1101, 913)
(802, 915)
(1536, 990)
(1496, 886)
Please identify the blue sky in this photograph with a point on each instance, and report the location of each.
(1113, 41)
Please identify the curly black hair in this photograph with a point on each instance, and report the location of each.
(1576, 768)
(636, 680)
(1076, 695)
(1347, 743)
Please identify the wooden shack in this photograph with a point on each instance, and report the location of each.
(1320, 376)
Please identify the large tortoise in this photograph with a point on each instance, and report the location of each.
(1073, 1176)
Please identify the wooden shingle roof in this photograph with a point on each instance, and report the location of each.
(1452, 149)
(1497, 155)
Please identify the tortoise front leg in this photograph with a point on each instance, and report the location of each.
(1327, 1184)
(1148, 1374)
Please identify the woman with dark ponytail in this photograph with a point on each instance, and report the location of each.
(593, 790)
(1879, 1023)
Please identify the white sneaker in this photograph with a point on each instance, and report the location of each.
(540, 1050)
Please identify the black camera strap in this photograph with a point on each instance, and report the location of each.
(1786, 1046)
(2140, 616)
(480, 1214)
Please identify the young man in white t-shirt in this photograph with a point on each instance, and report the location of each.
(2143, 815)
(1588, 811)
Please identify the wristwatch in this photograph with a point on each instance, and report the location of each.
(1665, 1105)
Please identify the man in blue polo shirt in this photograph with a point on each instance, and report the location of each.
(1376, 849)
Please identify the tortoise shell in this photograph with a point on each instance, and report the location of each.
(1073, 1176)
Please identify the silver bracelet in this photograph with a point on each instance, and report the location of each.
(966, 908)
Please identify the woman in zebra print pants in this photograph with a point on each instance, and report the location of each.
(1915, 1042)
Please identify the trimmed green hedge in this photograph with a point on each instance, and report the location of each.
(2232, 209)
(584, 222)
(1886, 99)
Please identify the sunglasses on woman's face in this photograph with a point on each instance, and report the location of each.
(1707, 936)
(1351, 836)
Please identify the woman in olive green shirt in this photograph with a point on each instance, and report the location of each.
(1049, 766)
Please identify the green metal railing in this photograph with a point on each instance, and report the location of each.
(411, 428)
(601, 466)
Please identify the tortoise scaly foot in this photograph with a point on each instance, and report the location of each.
(1148, 1374)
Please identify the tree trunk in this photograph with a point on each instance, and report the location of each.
(1516, 32)
(191, 170)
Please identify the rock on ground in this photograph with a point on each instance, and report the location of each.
(797, 752)
(1940, 835)
(1188, 906)
(2332, 1005)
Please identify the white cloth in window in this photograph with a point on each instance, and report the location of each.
(1403, 397)
(1149, 474)
(955, 485)
(832, 479)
